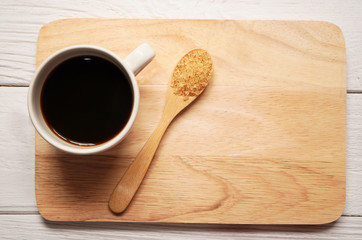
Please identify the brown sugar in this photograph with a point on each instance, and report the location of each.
(192, 73)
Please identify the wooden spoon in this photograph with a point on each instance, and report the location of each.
(190, 77)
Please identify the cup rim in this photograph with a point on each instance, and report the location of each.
(49, 136)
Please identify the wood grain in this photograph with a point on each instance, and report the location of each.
(34, 227)
(21, 21)
(17, 160)
(17, 194)
(265, 143)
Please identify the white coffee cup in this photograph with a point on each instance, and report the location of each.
(132, 65)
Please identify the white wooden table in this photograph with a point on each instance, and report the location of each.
(20, 22)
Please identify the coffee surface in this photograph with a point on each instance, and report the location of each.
(86, 100)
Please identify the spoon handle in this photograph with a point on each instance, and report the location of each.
(132, 178)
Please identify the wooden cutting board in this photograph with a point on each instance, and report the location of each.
(264, 144)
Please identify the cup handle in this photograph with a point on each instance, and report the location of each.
(139, 58)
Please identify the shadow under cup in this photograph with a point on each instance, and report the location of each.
(83, 99)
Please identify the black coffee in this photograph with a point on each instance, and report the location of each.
(86, 100)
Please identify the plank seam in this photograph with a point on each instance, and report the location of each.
(27, 85)
(37, 213)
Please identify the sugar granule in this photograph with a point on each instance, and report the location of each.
(192, 74)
